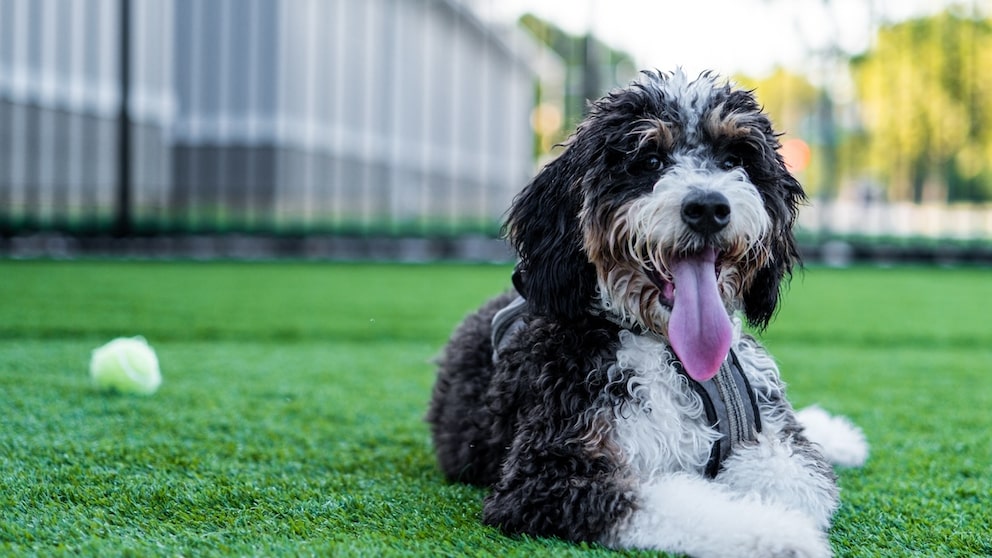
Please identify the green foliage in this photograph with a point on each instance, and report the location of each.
(791, 101)
(927, 105)
(290, 421)
(591, 69)
(787, 97)
(918, 122)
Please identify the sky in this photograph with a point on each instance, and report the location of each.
(729, 36)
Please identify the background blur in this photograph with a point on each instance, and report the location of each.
(402, 129)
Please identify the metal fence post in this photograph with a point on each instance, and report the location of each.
(122, 219)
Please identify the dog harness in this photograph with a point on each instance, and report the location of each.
(731, 409)
(728, 399)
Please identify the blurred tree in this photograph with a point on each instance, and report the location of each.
(591, 69)
(926, 99)
(788, 98)
(791, 101)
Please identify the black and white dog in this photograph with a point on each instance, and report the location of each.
(612, 395)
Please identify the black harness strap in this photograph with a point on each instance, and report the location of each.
(506, 322)
(731, 408)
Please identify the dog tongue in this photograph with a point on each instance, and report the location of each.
(699, 329)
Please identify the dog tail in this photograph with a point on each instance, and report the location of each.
(841, 441)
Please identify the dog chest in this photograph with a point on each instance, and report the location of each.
(661, 425)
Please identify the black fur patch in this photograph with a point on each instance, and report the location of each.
(521, 426)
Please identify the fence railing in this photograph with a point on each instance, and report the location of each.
(930, 221)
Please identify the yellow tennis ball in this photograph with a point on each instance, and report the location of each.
(127, 365)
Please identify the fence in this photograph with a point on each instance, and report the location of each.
(380, 116)
(180, 124)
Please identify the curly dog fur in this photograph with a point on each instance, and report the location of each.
(665, 223)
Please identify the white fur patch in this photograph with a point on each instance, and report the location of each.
(662, 429)
(775, 474)
(686, 514)
(841, 442)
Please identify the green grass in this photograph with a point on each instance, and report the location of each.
(290, 417)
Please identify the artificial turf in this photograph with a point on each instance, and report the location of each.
(290, 417)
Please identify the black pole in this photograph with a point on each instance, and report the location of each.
(122, 219)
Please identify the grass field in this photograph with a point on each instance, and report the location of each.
(290, 417)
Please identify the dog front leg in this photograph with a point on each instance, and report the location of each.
(687, 514)
(571, 509)
(791, 473)
(554, 483)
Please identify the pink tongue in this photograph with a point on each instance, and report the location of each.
(699, 329)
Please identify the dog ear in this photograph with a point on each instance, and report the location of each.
(543, 227)
(782, 199)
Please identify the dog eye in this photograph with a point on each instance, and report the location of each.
(731, 162)
(648, 163)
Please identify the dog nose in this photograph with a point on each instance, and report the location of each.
(706, 212)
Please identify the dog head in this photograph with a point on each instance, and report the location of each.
(670, 209)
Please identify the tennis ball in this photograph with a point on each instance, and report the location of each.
(127, 365)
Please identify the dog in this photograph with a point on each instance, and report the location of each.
(613, 395)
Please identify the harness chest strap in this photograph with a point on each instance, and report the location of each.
(731, 409)
(727, 397)
(506, 322)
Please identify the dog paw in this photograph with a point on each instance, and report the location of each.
(785, 534)
(776, 474)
